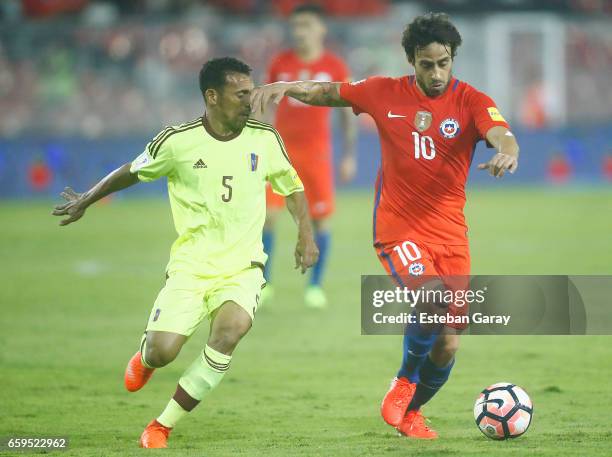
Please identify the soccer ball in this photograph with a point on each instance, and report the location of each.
(503, 411)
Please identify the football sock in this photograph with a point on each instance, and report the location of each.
(143, 344)
(417, 344)
(202, 376)
(268, 245)
(432, 379)
(205, 373)
(322, 238)
(172, 414)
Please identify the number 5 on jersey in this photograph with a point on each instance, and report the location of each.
(423, 146)
(227, 196)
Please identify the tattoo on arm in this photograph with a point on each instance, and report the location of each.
(318, 93)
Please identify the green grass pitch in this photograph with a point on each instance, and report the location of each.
(74, 302)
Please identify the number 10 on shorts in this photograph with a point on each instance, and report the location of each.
(407, 252)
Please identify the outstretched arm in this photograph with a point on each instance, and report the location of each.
(306, 251)
(78, 203)
(506, 158)
(310, 92)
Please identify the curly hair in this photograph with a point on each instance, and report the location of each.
(430, 28)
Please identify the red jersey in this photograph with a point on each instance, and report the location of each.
(426, 146)
(305, 127)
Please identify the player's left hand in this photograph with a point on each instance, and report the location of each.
(499, 164)
(262, 96)
(348, 168)
(306, 253)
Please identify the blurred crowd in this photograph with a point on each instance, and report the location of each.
(43, 8)
(102, 71)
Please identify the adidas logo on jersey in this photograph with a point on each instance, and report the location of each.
(200, 164)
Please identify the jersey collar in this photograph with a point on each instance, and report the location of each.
(215, 135)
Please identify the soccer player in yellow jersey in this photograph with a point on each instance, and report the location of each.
(217, 167)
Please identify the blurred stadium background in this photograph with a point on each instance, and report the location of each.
(84, 84)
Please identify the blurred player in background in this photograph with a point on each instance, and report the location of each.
(306, 131)
(217, 167)
(428, 124)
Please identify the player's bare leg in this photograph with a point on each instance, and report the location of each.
(230, 323)
(314, 296)
(444, 349)
(157, 349)
(433, 374)
(268, 238)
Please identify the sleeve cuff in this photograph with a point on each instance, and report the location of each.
(344, 87)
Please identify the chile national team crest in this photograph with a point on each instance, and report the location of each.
(416, 269)
(449, 128)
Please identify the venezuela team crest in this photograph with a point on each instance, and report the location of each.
(449, 128)
(254, 161)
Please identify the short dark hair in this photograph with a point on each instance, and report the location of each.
(311, 8)
(213, 72)
(430, 28)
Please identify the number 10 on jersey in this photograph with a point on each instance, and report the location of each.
(423, 146)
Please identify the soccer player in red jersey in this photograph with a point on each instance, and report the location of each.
(306, 131)
(428, 125)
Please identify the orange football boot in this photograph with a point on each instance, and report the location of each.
(396, 401)
(413, 425)
(155, 435)
(136, 374)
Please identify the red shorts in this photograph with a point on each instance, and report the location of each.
(317, 176)
(412, 263)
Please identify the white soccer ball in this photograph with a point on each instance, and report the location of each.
(503, 411)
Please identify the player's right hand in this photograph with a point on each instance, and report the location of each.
(499, 164)
(74, 208)
(306, 253)
(262, 96)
